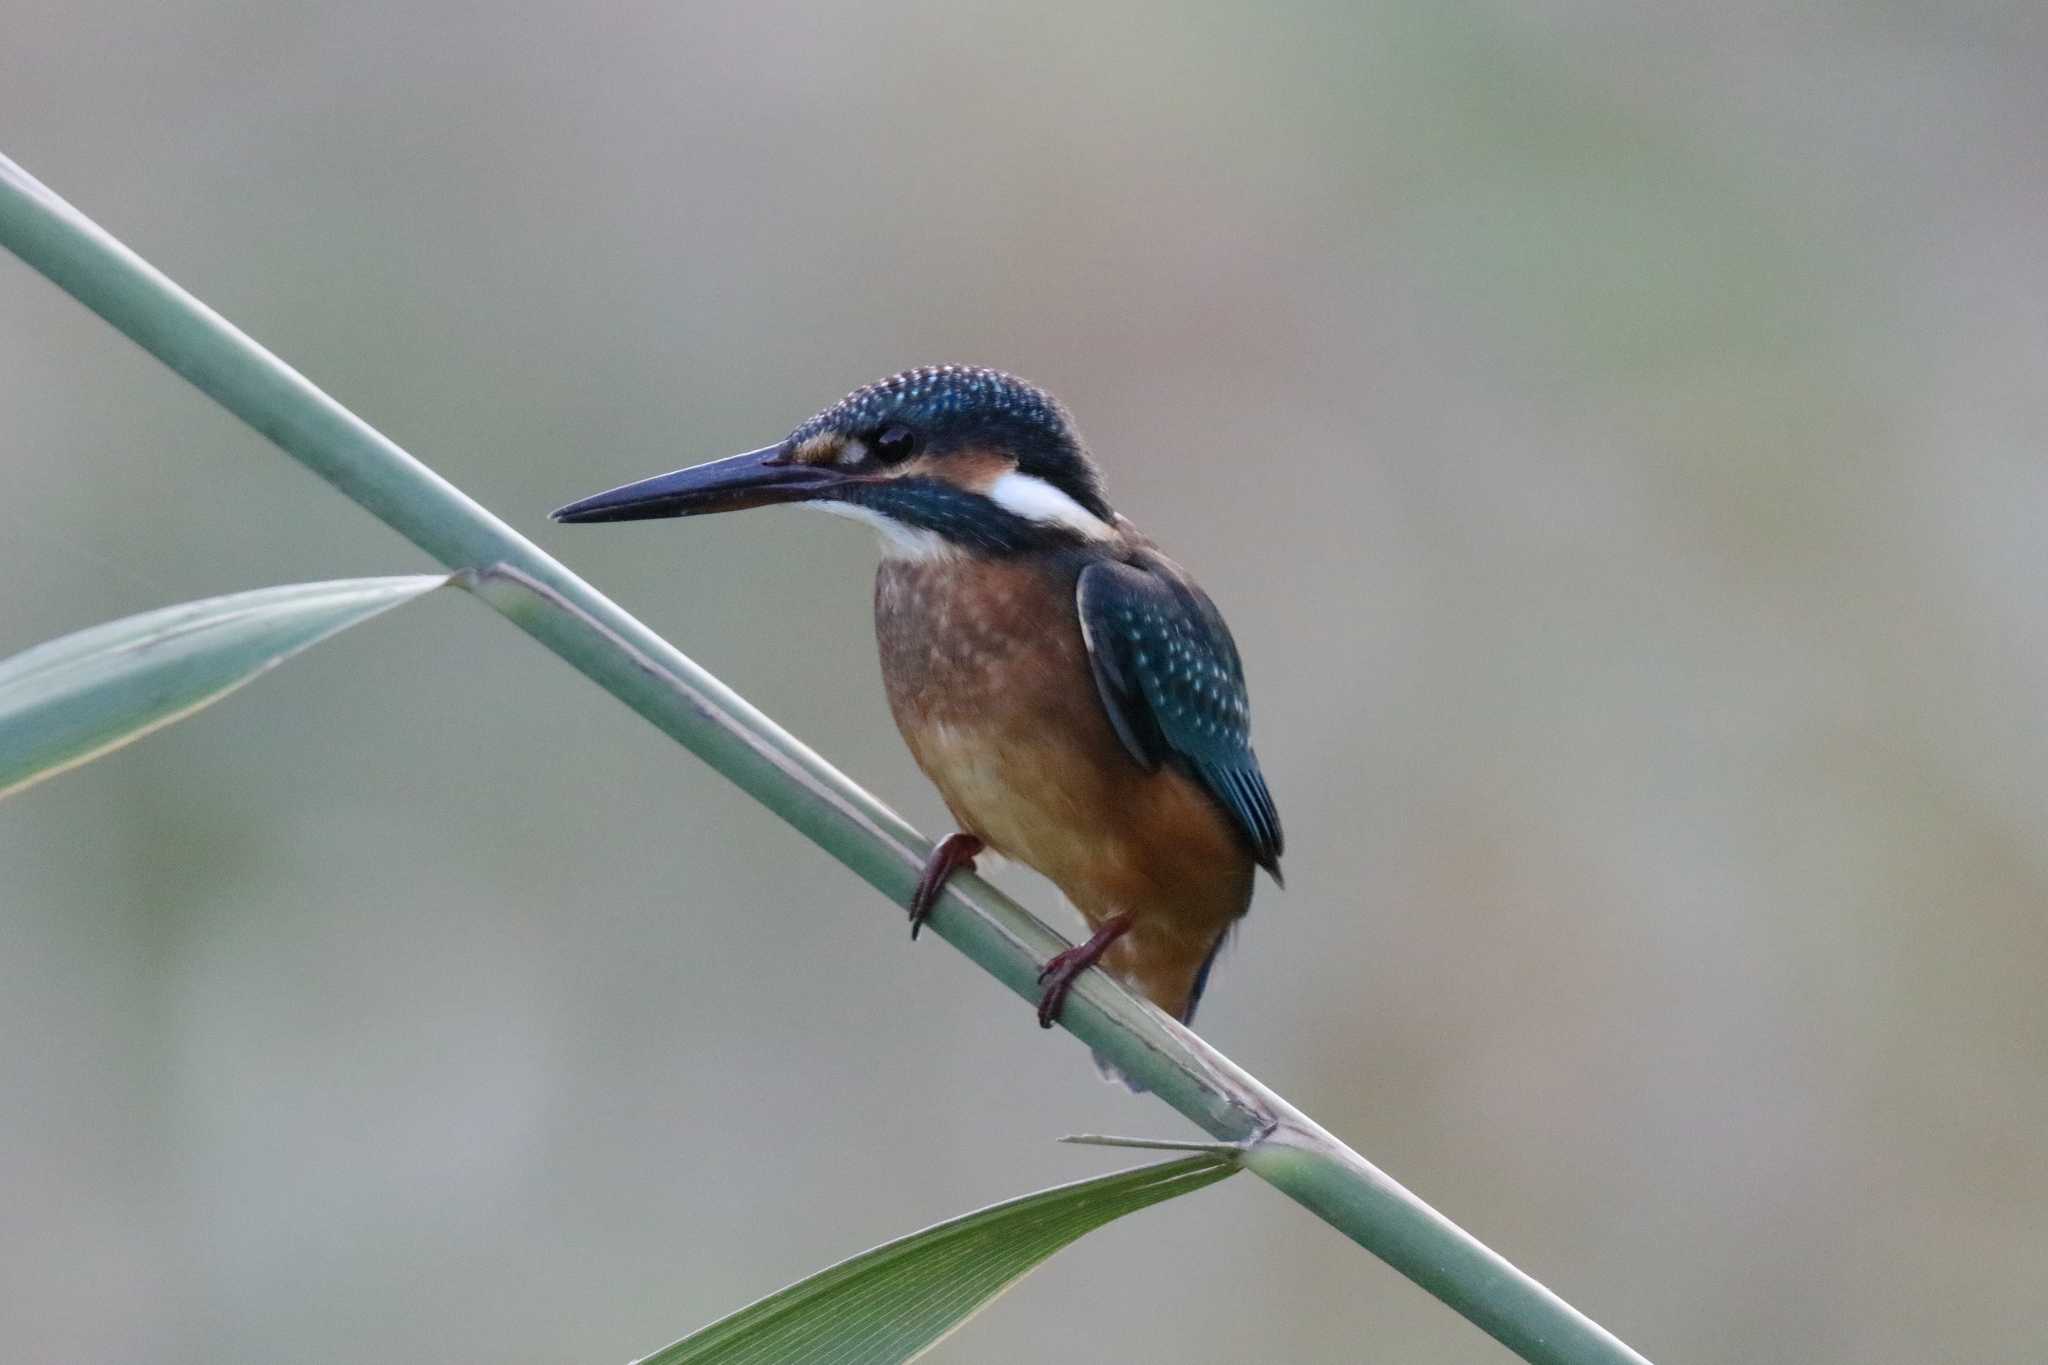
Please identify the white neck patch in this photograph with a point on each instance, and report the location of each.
(898, 541)
(1032, 498)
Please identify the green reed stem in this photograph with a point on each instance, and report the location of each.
(711, 720)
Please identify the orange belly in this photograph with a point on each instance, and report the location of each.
(989, 681)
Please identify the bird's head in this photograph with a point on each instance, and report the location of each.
(942, 460)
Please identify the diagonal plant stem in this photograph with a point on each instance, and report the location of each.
(637, 666)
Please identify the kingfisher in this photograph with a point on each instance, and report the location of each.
(1077, 700)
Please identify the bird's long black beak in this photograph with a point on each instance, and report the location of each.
(755, 479)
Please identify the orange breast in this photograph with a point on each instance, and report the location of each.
(989, 681)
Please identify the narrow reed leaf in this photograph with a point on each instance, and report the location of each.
(1154, 1144)
(897, 1301)
(69, 701)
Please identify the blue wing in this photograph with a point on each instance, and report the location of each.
(1173, 686)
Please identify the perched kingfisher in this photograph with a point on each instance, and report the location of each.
(1075, 697)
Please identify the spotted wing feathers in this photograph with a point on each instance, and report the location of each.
(1173, 686)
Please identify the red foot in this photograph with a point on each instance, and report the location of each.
(949, 855)
(1059, 973)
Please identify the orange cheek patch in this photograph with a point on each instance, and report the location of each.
(973, 470)
(820, 449)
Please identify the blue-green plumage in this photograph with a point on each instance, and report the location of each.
(1173, 685)
(955, 407)
(959, 517)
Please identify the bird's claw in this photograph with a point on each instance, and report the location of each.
(1063, 968)
(951, 854)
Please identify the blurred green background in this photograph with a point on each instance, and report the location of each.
(1616, 436)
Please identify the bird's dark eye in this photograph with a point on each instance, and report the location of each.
(894, 442)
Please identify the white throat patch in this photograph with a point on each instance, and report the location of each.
(898, 541)
(1032, 498)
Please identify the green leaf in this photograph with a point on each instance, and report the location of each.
(896, 1302)
(69, 701)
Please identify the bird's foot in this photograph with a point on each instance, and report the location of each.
(1063, 967)
(949, 855)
